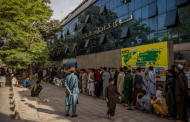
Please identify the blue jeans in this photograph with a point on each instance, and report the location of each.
(67, 107)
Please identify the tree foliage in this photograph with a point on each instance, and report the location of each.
(25, 25)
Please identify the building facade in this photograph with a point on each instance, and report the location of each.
(104, 25)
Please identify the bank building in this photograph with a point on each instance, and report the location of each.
(97, 32)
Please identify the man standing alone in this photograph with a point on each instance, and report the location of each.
(105, 78)
(72, 90)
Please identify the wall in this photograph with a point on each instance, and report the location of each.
(112, 59)
(97, 60)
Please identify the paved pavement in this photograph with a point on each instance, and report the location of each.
(6, 109)
(88, 109)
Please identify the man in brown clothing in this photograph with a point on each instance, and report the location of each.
(181, 91)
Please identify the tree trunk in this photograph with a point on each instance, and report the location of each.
(30, 72)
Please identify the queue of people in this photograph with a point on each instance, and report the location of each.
(135, 91)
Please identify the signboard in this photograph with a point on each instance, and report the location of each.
(147, 55)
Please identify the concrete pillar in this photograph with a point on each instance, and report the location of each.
(21, 73)
(24, 73)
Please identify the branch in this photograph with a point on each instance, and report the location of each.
(32, 40)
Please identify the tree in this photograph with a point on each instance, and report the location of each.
(21, 23)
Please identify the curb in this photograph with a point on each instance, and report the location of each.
(16, 115)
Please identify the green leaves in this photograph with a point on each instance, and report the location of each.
(24, 20)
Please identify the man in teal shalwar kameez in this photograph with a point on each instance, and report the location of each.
(72, 90)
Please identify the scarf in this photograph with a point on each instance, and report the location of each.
(97, 75)
(158, 95)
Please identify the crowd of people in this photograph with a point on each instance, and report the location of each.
(139, 91)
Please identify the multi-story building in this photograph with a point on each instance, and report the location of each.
(103, 25)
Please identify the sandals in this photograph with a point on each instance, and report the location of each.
(130, 109)
(126, 105)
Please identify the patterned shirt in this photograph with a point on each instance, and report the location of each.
(187, 73)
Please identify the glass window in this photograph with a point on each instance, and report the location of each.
(153, 37)
(125, 9)
(137, 4)
(152, 11)
(144, 2)
(107, 6)
(115, 3)
(119, 11)
(184, 16)
(161, 20)
(173, 35)
(150, 1)
(153, 23)
(138, 14)
(170, 18)
(145, 12)
(180, 2)
(161, 6)
(132, 5)
(145, 24)
(107, 1)
(184, 33)
(103, 2)
(171, 5)
(162, 36)
(111, 4)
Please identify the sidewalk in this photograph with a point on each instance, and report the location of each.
(88, 109)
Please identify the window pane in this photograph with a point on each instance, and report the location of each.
(145, 12)
(150, 1)
(115, 3)
(145, 24)
(173, 35)
(161, 20)
(171, 5)
(153, 23)
(184, 14)
(125, 9)
(161, 5)
(184, 33)
(137, 4)
(162, 36)
(152, 11)
(153, 37)
(119, 11)
(138, 14)
(103, 2)
(108, 6)
(132, 5)
(111, 4)
(144, 2)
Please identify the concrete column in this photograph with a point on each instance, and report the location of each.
(24, 73)
(21, 73)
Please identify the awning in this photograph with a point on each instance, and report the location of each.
(125, 32)
(180, 2)
(103, 9)
(87, 19)
(82, 29)
(152, 10)
(102, 39)
(61, 36)
(75, 27)
(70, 63)
(171, 18)
(74, 47)
(67, 32)
(67, 50)
(86, 44)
